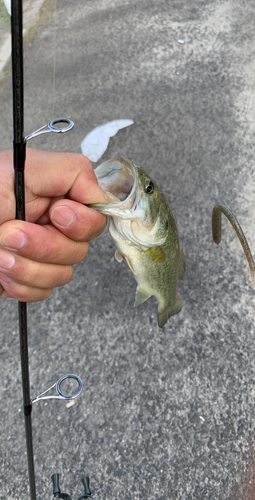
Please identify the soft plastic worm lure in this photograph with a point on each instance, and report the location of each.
(216, 233)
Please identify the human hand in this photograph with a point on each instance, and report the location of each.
(38, 254)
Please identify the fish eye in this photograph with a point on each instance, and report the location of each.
(149, 186)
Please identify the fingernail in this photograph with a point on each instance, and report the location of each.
(63, 216)
(14, 239)
(104, 193)
(6, 260)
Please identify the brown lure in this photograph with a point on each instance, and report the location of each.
(216, 234)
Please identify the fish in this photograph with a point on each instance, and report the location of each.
(144, 230)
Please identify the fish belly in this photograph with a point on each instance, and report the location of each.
(153, 276)
(160, 281)
(153, 279)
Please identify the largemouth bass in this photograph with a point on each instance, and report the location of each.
(145, 233)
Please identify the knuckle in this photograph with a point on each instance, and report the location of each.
(31, 276)
(81, 161)
(85, 163)
(25, 293)
(67, 274)
(43, 276)
(29, 294)
(82, 253)
(3, 293)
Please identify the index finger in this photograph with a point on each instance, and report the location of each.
(62, 174)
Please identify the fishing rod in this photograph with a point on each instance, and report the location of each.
(19, 155)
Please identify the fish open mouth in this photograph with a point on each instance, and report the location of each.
(118, 179)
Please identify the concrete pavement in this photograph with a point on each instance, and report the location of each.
(32, 10)
(165, 414)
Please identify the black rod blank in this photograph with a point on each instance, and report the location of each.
(19, 152)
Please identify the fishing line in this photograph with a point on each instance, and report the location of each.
(54, 57)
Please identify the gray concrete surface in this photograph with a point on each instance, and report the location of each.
(33, 14)
(4, 23)
(165, 414)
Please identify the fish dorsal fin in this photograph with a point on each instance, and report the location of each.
(140, 297)
(182, 266)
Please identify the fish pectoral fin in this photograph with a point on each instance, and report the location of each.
(140, 297)
(156, 254)
(182, 266)
(167, 312)
(118, 256)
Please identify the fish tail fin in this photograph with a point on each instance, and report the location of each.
(165, 313)
(182, 266)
